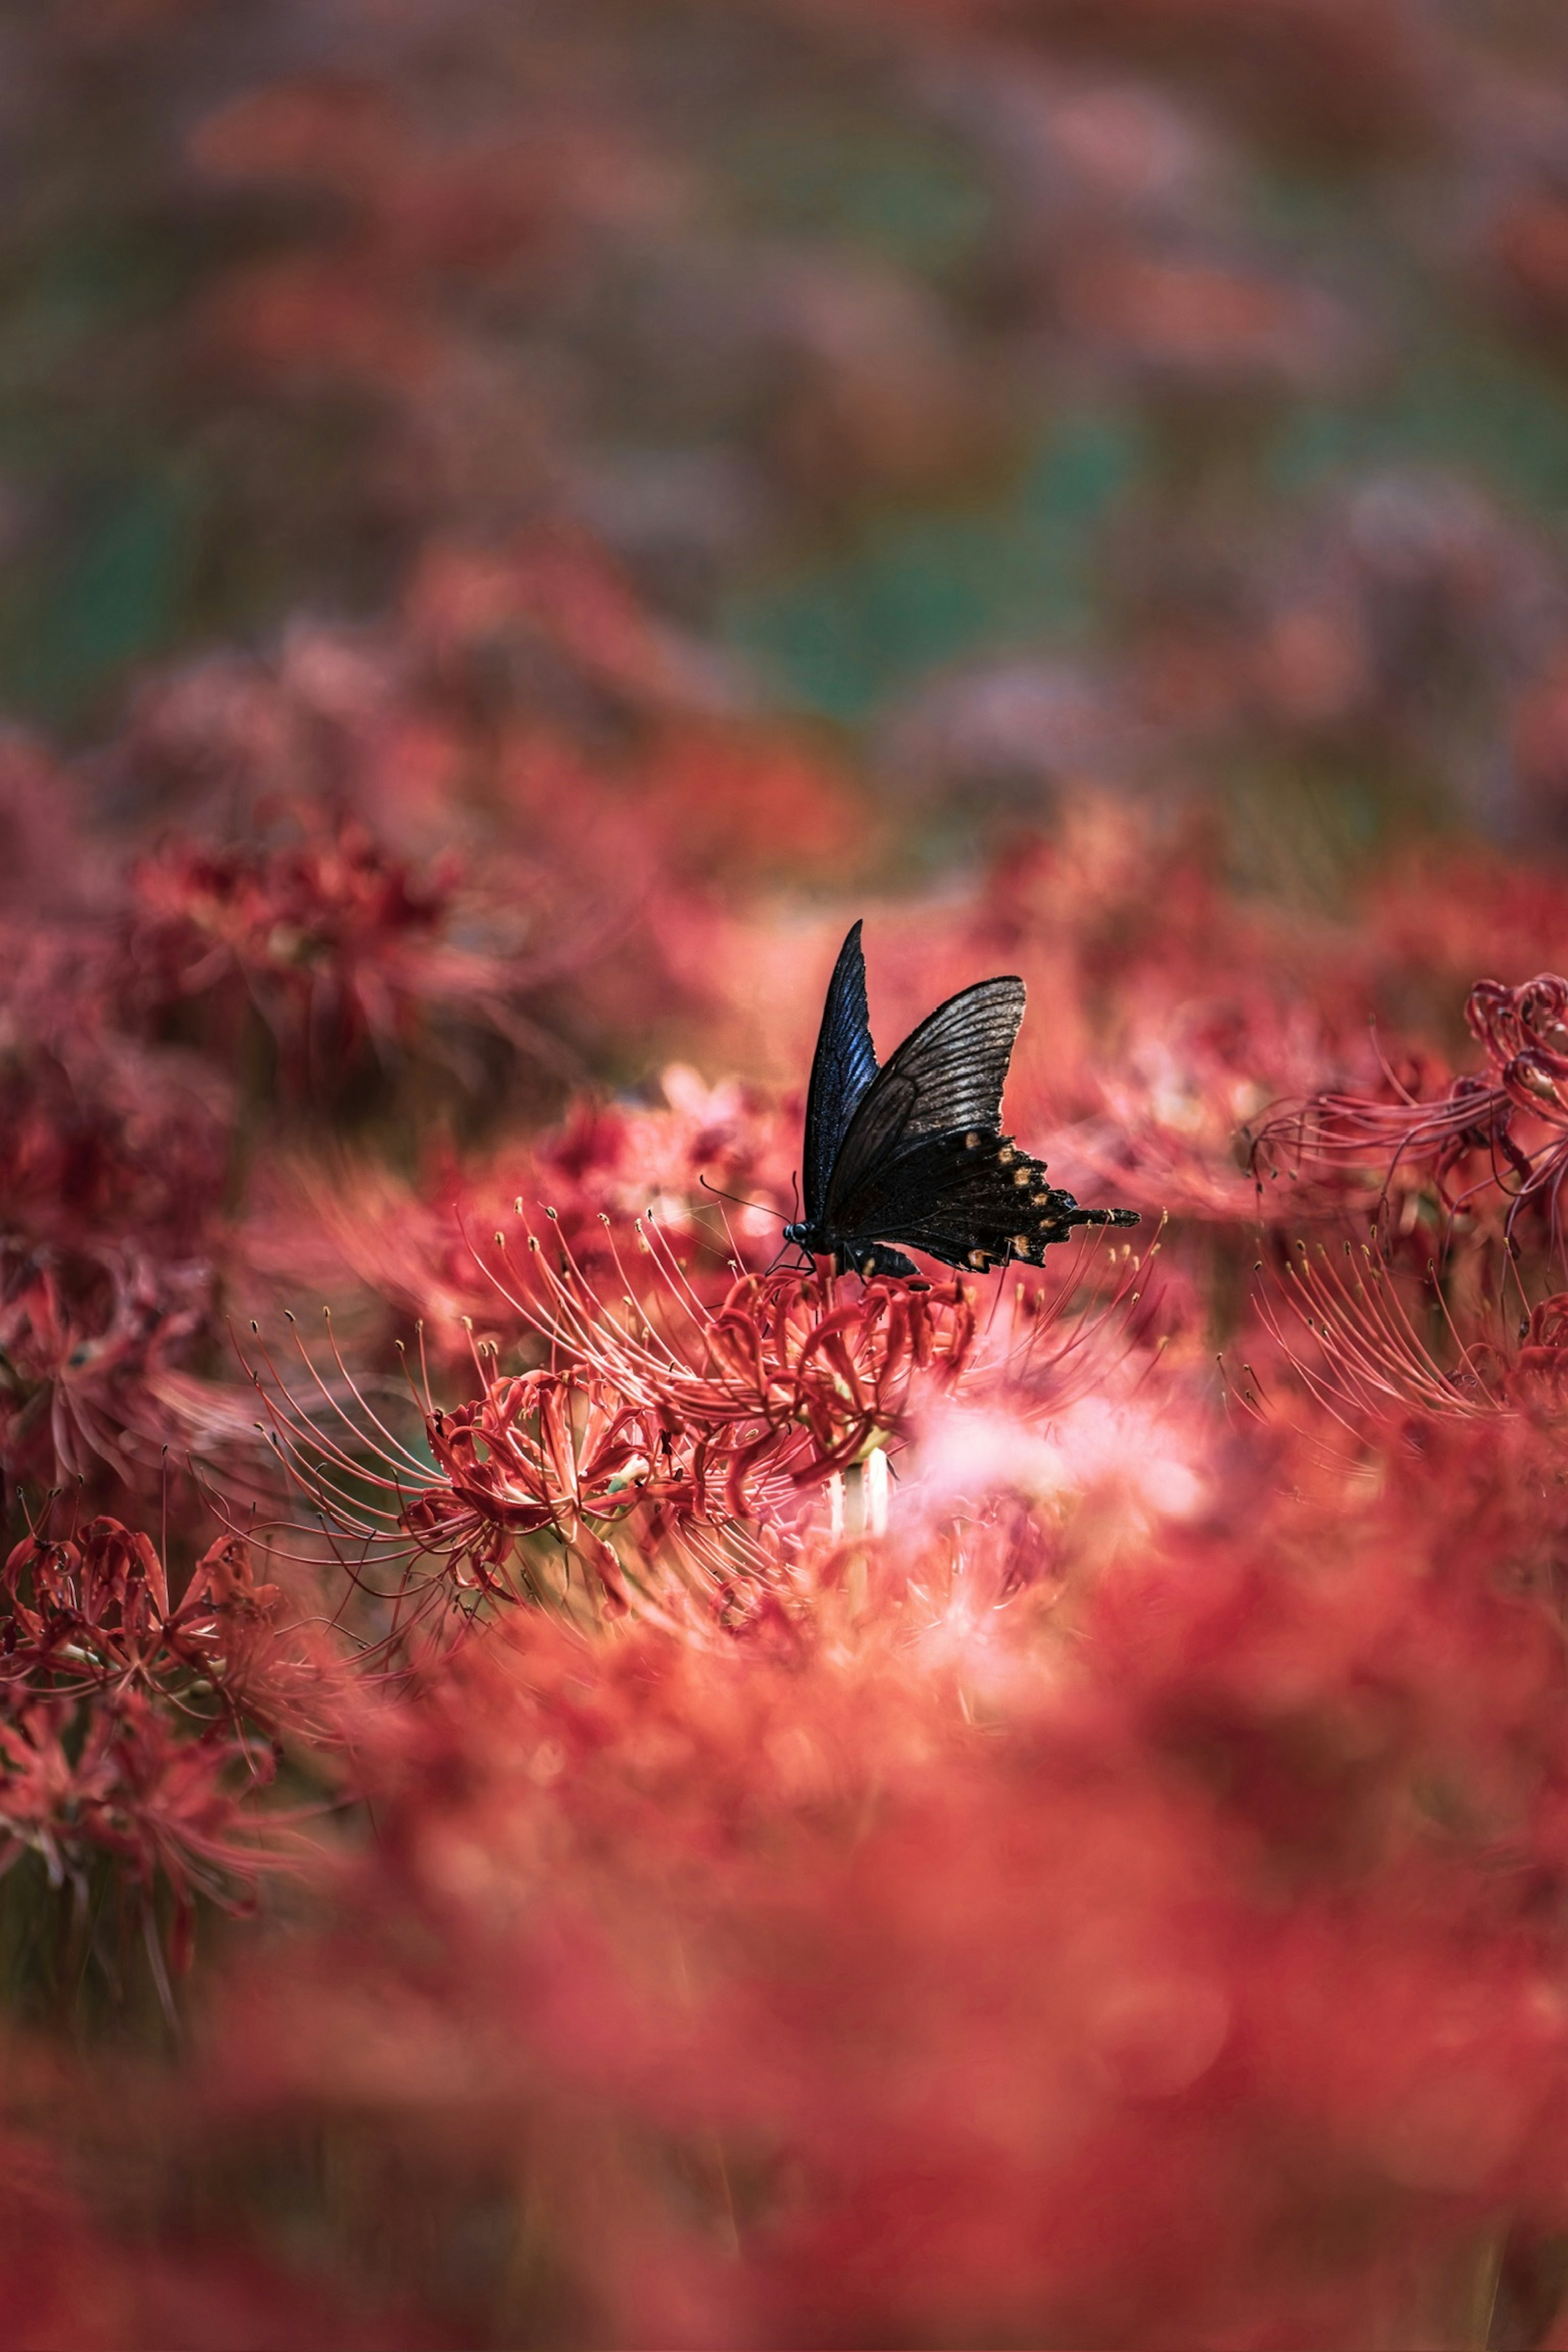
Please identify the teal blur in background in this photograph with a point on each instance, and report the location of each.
(889, 352)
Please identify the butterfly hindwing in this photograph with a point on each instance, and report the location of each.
(946, 1077)
(973, 1199)
(842, 1069)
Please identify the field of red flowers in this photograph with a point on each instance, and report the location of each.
(565, 1780)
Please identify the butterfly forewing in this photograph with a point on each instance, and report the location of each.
(842, 1069)
(945, 1078)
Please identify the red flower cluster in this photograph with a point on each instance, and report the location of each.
(332, 941)
(130, 1727)
(112, 1162)
(1504, 1132)
(798, 1943)
(341, 951)
(664, 1430)
(994, 1852)
(1031, 1810)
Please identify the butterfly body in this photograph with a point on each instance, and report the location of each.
(913, 1151)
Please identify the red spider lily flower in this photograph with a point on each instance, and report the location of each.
(1139, 1463)
(1504, 1131)
(96, 1133)
(1391, 1612)
(342, 948)
(809, 1372)
(136, 1731)
(660, 1421)
(670, 1439)
(1192, 319)
(414, 1244)
(1180, 1100)
(337, 944)
(114, 1780)
(1371, 1357)
(670, 1157)
(559, 1455)
(112, 1163)
(540, 1452)
(1538, 1371)
(85, 1337)
(1362, 1351)
(746, 805)
(1441, 915)
(92, 1613)
(557, 583)
(818, 1372)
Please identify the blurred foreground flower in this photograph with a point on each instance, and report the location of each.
(1031, 1922)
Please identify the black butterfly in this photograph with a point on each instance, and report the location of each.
(913, 1151)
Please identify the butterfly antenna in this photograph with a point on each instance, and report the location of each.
(795, 1188)
(719, 1195)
